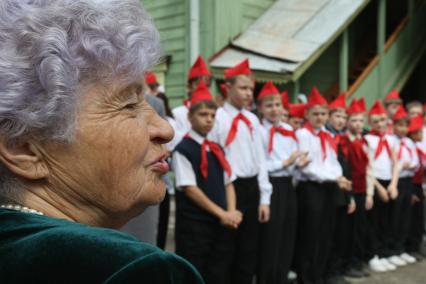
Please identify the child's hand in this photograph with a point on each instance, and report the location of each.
(292, 159)
(344, 183)
(369, 203)
(231, 219)
(303, 160)
(408, 166)
(351, 207)
(393, 191)
(264, 213)
(414, 199)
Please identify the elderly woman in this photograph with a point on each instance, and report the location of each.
(80, 149)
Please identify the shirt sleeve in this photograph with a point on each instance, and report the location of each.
(305, 146)
(184, 173)
(262, 178)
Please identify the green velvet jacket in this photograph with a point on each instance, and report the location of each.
(40, 249)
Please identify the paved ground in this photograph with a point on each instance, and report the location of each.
(411, 274)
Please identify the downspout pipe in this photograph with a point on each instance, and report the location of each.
(194, 30)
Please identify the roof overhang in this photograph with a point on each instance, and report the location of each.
(289, 37)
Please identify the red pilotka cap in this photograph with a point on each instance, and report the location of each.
(357, 106)
(416, 123)
(268, 89)
(393, 97)
(285, 100)
(201, 93)
(377, 109)
(339, 102)
(199, 69)
(150, 78)
(315, 98)
(242, 68)
(297, 110)
(400, 114)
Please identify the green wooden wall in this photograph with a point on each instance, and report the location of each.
(220, 21)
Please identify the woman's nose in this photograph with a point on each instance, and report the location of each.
(160, 130)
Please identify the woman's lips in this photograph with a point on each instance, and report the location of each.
(160, 165)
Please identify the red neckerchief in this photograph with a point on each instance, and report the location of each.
(217, 152)
(401, 146)
(382, 143)
(282, 131)
(324, 137)
(234, 127)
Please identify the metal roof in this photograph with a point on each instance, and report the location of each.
(289, 33)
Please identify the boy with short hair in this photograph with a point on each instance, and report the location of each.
(205, 200)
(238, 132)
(281, 151)
(362, 183)
(316, 191)
(386, 174)
(392, 102)
(198, 72)
(296, 115)
(416, 231)
(408, 163)
(338, 264)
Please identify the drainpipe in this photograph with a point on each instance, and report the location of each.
(381, 37)
(194, 30)
(343, 62)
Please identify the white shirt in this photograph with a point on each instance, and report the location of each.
(283, 147)
(184, 172)
(319, 169)
(182, 125)
(245, 154)
(406, 157)
(382, 165)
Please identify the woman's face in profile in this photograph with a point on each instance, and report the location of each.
(116, 161)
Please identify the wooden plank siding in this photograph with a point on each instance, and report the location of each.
(171, 17)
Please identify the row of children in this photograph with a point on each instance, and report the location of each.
(304, 187)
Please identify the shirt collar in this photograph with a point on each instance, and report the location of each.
(196, 137)
(229, 108)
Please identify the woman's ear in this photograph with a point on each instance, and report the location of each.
(23, 160)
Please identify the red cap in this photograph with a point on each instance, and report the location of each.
(339, 102)
(268, 89)
(150, 78)
(400, 114)
(357, 106)
(297, 110)
(201, 93)
(223, 90)
(377, 109)
(393, 97)
(285, 100)
(199, 69)
(315, 98)
(416, 123)
(242, 68)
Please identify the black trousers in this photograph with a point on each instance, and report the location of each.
(163, 221)
(341, 252)
(400, 217)
(416, 230)
(380, 217)
(361, 248)
(316, 219)
(247, 235)
(208, 246)
(277, 237)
